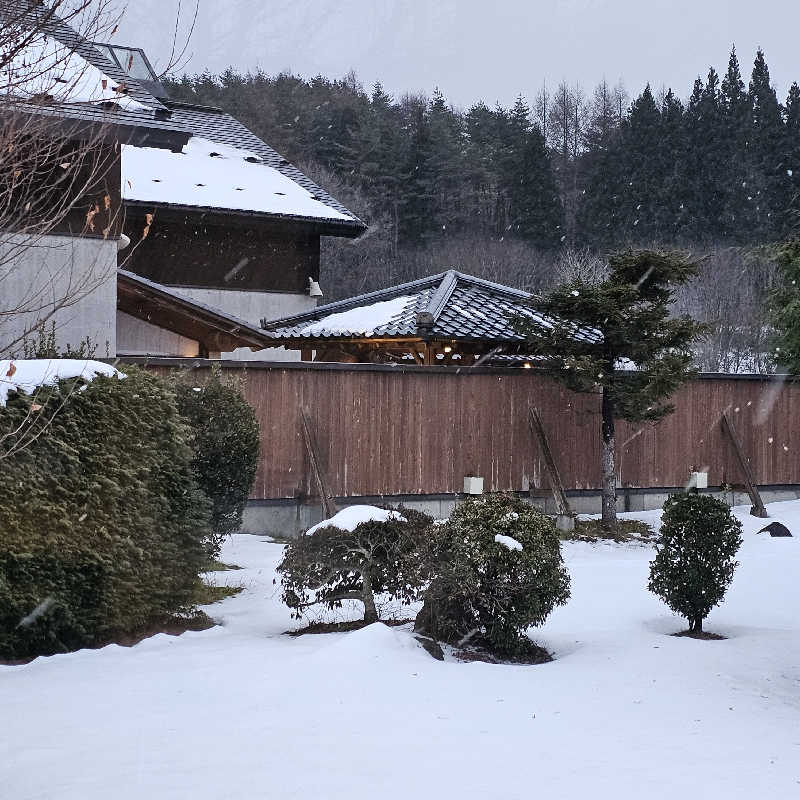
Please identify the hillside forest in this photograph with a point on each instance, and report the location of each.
(542, 191)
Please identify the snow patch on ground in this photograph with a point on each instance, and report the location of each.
(624, 711)
(26, 375)
(349, 518)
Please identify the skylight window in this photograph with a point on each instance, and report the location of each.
(130, 60)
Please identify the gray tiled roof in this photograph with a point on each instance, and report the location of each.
(451, 305)
(163, 114)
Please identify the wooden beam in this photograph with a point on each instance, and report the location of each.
(328, 504)
(757, 509)
(562, 504)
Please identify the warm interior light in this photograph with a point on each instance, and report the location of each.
(448, 349)
(526, 365)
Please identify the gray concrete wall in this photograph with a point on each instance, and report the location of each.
(61, 279)
(288, 519)
(135, 337)
(252, 307)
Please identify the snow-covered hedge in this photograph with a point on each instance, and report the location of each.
(103, 528)
(497, 571)
(695, 555)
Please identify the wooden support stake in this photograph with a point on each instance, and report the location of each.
(328, 504)
(562, 504)
(757, 509)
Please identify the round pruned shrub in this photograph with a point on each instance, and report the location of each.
(357, 554)
(695, 555)
(226, 445)
(497, 570)
(103, 528)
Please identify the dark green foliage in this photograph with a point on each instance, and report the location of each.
(785, 306)
(226, 444)
(101, 516)
(695, 553)
(654, 172)
(485, 593)
(619, 336)
(629, 313)
(331, 565)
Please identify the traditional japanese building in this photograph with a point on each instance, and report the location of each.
(199, 205)
(448, 319)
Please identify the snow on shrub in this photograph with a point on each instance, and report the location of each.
(497, 570)
(27, 375)
(695, 554)
(226, 444)
(360, 552)
(103, 528)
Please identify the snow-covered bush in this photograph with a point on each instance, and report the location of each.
(103, 528)
(360, 552)
(497, 571)
(226, 444)
(695, 554)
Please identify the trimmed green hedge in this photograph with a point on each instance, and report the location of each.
(497, 570)
(103, 526)
(226, 444)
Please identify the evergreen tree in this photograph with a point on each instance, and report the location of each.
(791, 161)
(641, 171)
(417, 206)
(766, 170)
(735, 110)
(623, 322)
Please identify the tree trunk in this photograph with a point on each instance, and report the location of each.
(609, 457)
(370, 612)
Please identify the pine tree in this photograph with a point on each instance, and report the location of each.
(418, 202)
(766, 171)
(624, 320)
(791, 161)
(642, 173)
(735, 110)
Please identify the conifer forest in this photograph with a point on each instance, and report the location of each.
(541, 191)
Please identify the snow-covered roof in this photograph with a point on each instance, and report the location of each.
(207, 174)
(450, 305)
(102, 92)
(362, 320)
(27, 375)
(46, 67)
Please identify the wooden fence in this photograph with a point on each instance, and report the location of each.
(385, 430)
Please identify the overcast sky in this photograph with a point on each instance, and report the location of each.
(491, 50)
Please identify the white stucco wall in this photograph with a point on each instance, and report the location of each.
(253, 307)
(135, 337)
(61, 279)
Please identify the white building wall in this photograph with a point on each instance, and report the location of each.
(71, 282)
(252, 307)
(135, 337)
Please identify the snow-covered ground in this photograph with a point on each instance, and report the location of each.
(241, 711)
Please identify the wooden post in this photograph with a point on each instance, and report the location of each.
(757, 509)
(328, 504)
(562, 504)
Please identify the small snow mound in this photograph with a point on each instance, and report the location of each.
(348, 518)
(28, 374)
(371, 642)
(508, 541)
